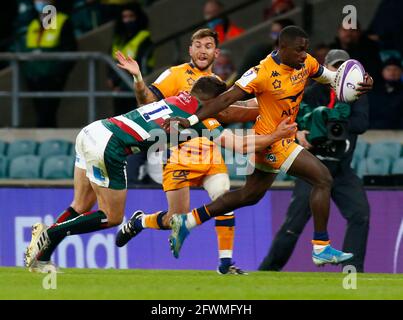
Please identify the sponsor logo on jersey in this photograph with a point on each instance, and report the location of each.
(274, 74)
(180, 174)
(291, 111)
(299, 77)
(98, 173)
(188, 71)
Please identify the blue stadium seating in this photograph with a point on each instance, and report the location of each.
(388, 149)
(360, 149)
(373, 166)
(25, 167)
(21, 147)
(3, 147)
(58, 167)
(397, 167)
(53, 147)
(3, 166)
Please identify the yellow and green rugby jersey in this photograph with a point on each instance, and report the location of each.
(138, 128)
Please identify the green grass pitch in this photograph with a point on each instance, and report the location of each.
(18, 283)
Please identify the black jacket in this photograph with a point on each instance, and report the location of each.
(319, 95)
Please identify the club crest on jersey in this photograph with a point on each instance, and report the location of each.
(190, 81)
(276, 84)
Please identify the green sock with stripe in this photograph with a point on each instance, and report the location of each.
(84, 223)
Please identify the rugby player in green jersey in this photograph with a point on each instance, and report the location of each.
(100, 167)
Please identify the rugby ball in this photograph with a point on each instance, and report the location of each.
(349, 74)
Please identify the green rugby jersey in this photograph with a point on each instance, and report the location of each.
(139, 127)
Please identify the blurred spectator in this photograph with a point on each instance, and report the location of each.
(259, 51)
(48, 75)
(86, 16)
(277, 8)
(276, 28)
(361, 48)
(225, 29)
(225, 68)
(320, 51)
(111, 9)
(26, 12)
(387, 25)
(133, 39)
(386, 101)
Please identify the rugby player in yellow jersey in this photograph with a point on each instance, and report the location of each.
(278, 83)
(197, 162)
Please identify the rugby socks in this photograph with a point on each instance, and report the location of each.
(154, 221)
(197, 216)
(84, 223)
(320, 241)
(225, 230)
(66, 215)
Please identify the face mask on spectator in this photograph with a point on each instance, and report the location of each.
(274, 35)
(131, 26)
(39, 6)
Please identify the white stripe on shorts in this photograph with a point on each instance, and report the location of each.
(290, 159)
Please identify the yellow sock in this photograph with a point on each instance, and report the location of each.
(150, 220)
(225, 230)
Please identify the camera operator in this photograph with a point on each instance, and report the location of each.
(336, 153)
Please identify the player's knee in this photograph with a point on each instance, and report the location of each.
(115, 220)
(217, 185)
(324, 179)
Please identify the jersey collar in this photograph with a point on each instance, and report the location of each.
(276, 58)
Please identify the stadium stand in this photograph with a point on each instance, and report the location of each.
(58, 167)
(373, 166)
(3, 166)
(389, 149)
(21, 147)
(25, 167)
(54, 147)
(3, 146)
(397, 167)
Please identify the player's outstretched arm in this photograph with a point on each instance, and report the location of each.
(210, 108)
(143, 94)
(240, 111)
(254, 143)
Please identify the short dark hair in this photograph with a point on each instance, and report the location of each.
(202, 33)
(208, 87)
(290, 33)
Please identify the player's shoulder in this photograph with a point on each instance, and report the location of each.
(181, 68)
(311, 59)
(268, 63)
